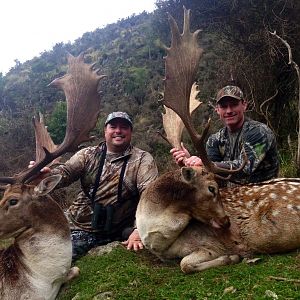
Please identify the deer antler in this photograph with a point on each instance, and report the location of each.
(181, 66)
(173, 124)
(42, 139)
(80, 86)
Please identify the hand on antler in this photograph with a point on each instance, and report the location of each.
(43, 170)
(193, 161)
(180, 155)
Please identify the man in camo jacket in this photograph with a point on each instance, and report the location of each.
(109, 214)
(224, 148)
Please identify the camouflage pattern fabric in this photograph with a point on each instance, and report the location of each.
(231, 91)
(140, 171)
(260, 145)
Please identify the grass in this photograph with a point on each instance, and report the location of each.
(122, 274)
(288, 167)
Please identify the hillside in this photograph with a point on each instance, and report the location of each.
(235, 40)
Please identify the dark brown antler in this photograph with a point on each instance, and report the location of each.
(80, 86)
(181, 66)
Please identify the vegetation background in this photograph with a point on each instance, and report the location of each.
(237, 46)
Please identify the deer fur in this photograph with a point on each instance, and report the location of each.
(173, 223)
(39, 260)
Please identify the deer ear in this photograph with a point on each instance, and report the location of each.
(47, 185)
(188, 174)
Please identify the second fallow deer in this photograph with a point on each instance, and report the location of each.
(175, 215)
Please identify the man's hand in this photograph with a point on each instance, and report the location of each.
(44, 170)
(134, 241)
(193, 161)
(180, 155)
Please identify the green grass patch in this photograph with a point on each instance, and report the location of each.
(288, 166)
(122, 274)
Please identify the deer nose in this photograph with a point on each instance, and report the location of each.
(221, 222)
(225, 222)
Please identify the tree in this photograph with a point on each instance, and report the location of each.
(57, 122)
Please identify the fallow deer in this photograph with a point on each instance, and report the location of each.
(175, 213)
(39, 260)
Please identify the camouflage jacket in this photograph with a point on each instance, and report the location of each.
(140, 171)
(260, 145)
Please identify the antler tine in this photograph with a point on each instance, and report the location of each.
(80, 86)
(173, 124)
(42, 138)
(8, 180)
(186, 20)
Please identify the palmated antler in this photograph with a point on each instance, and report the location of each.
(80, 86)
(173, 124)
(181, 66)
(43, 139)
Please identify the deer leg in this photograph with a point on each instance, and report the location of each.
(204, 259)
(73, 273)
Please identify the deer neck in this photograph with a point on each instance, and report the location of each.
(46, 246)
(45, 253)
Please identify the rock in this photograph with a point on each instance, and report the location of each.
(101, 250)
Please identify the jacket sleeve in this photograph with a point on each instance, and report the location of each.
(72, 169)
(147, 172)
(257, 142)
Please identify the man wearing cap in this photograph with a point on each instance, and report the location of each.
(224, 148)
(113, 175)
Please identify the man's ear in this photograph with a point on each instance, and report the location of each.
(217, 109)
(245, 104)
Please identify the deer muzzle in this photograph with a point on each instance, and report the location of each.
(220, 223)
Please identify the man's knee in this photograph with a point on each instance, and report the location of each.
(82, 242)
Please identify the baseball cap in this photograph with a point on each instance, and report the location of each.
(232, 91)
(118, 115)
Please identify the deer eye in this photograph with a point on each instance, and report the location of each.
(212, 189)
(12, 202)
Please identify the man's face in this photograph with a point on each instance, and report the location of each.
(117, 135)
(231, 112)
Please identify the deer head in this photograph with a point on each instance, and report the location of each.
(181, 64)
(80, 86)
